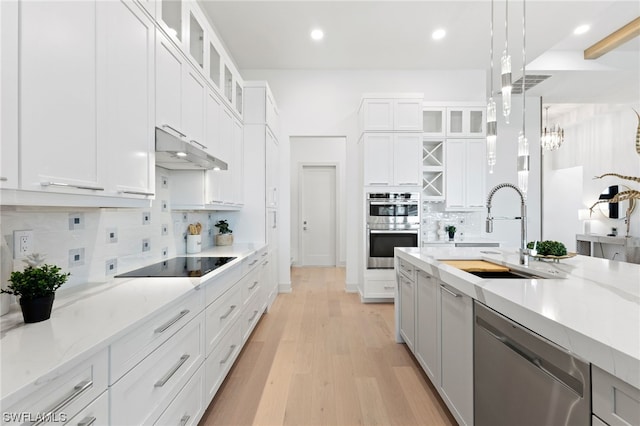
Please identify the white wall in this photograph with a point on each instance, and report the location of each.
(598, 139)
(325, 103)
(319, 150)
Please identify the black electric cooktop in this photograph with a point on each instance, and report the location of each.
(180, 267)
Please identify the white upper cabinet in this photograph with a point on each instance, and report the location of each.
(400, 113)
(434, 121)
(193, 107)
(392, 159)
(196, 41)
(169, 17)
(236, 166)
(9, 99)
(261, 108)
(466, 122)
(168, 84)
(272, 171)
(212, 125)
(465, 174)
(126, 124)
(407, 159)
(58, 97)
(215, 72)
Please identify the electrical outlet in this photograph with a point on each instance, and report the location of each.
(76, 257)
(165, 206)
(165, 229)
(146, 218)
(76, 221)
(164, 182)
(112, 235)
(111, 267)
(22, 244)
(146, 244)
(165, 252)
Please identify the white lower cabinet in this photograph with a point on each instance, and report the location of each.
(143, 393)
(219, 362)
(187, 408)
(613, 401)
(456, 349)
(96, 413)
(407, 298)
(221, 315)
(427, 325)
(63, 394)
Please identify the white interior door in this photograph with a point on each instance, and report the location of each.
(318, 215)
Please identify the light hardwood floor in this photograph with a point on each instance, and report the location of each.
(320, 357)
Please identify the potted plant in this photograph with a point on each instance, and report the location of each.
(36, 286)
(225, 235)
(451, 230)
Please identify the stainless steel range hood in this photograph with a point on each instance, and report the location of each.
(175, 153)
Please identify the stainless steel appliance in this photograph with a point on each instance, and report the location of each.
(393, 220)
(521, 378)
(195, 266)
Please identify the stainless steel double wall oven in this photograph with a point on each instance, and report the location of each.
(393, 220)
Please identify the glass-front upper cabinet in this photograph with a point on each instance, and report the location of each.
(196, 41)
(238, 98)
(171, 16)
(466, 122)
(214, 65)
(228, 84)
(433, 121)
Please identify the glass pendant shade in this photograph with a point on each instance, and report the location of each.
(523, 163)
(506, 85)
(492, 129)
(551, 138)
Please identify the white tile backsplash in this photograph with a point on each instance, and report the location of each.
(434, 218)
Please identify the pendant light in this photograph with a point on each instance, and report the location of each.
(552, 137)
(523, 144)
(492, 125)
(505, 62)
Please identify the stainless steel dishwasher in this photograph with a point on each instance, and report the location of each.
(522, 379)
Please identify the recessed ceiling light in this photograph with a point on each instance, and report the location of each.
(581, 29)
(317, 34)
(438, 34)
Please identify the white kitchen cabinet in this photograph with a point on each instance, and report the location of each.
(406, 295)
(433, 160)
(463, 122)
(272, 164)
(237, 164)
(392, 159)
(465, 174)
(169, 63)
(385, 114)
(96, 413)
(169, 16)
(614, 401)
(193, 108)
(189, 406)
(78, 386)
(212, 138)
(434, 121)
(58, 99)
(428, 323)
(218, 364)
(9, 78)
(126, 98)
(196, 39)
(144, 392)
(456, 349)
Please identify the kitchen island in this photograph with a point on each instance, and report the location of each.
(589, 306)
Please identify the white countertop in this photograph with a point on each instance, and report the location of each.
(591, 308)
(468, 239)
(87, 320)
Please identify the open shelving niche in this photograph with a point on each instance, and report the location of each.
(433, 159)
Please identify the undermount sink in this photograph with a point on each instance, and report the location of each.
(504, 274)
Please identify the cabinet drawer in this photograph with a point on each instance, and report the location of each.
(250, 285)
(187, 408)
(217, 364)
(407, 269)
(221, 314)
(63, 393)
(250, 263)
(96, 413)
(614, 401)
(132, 348)
(250, 317)
(141, 395)
(379, 288)
(218, 285)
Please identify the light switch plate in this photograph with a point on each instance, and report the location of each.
(112, 235)
(111, 267)
(76, 221)
(146, 218)
(146, 244)
(164, 229)
(76, 257)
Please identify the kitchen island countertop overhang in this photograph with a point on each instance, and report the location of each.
(589, 306)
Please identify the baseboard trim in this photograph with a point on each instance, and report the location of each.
(284, 288)
(351, 288)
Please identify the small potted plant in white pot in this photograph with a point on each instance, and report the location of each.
(225, 235)
(451, 230)
(36, 287)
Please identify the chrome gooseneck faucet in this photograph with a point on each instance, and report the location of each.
(524, 252)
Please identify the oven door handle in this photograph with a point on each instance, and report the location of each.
(392, 231)
(393, 203)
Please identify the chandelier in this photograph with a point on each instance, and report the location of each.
(523, 143)
(551, 137)
(505, 65)
(492, 125)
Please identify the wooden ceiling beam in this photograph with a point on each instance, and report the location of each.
(613, 40)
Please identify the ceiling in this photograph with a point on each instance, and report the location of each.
(381, 35)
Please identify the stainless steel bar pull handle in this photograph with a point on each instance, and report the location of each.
(265, 263)
(254, 262)
(226, 358)
(160, 383)
(226, 315)
(3, 179)
(253, 316)
(138, 193)
(255, 283)
(87, 421)
(198, 143)
(450, 292)
(172, 321)
(91, 188)
(75, 393)
(166, 126)
(184, 420)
